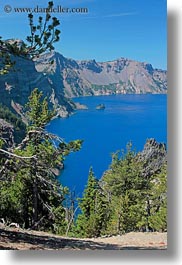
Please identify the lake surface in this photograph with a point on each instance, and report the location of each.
(125, 118)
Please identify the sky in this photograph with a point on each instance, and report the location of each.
(134, 29)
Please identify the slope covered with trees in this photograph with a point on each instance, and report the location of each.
(131, 196)
(30, 193)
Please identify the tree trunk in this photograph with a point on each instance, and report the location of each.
(35, 201)
(148, 215)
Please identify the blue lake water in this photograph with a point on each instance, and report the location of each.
(125, 118)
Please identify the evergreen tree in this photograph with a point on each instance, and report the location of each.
(42, 37)
(137, 202)
(155, 202)
(93, 218)
(124, 183)
(29, 192)
(29, 170)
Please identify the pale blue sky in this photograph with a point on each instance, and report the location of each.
(135, 29)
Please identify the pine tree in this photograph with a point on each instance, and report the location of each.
(137, 202)
(30, 193)
(42, 37)
(123, 183)
(158, 219)
(93, 218)
(33, 162)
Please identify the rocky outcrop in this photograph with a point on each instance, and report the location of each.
(79, 106)
(153, 157)
(6, 133)
(100, 107)
(82, 78)
(16, 86)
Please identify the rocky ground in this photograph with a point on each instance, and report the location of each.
(17, 239)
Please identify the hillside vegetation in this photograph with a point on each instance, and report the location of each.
(131, 196)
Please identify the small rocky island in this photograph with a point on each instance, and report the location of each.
(100, 107)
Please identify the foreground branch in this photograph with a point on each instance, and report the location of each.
(17, 156)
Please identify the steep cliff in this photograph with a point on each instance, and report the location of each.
(121, 76)
(60, 78)
(16, 86)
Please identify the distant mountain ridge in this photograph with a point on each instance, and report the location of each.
(88, 77)
(60, 79)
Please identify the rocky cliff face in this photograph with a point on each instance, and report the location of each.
(6, 133)
(81, 78)
(60, 78)
(154, 156)
(16, 86)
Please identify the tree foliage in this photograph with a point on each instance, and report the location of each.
(30, 193)
(42, 37)
(93, 218)
(124, 200)
(138, 203)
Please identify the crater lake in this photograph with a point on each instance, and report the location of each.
(125, 118)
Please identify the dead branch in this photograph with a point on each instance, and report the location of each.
(16, 156)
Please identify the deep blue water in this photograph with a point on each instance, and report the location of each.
(125, 118)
